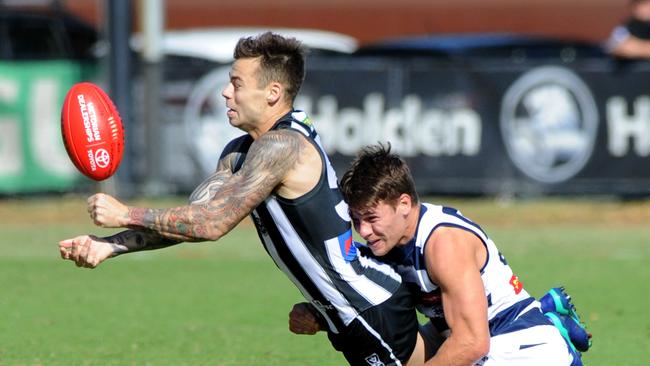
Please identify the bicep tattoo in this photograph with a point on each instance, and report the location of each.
(208, 188)
(268, 162)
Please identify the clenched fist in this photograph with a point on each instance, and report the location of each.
(106, 211)
(302, 320)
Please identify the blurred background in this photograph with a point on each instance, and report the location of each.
(499, 98)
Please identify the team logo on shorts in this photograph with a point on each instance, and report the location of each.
(549, 121)
(373, 360)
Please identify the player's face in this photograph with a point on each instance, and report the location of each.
(642, 10)
(382, 226)
(245, 99)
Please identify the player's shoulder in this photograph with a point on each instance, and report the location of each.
(447, 239)
(281, 143)
(444, 234)
(238, 144)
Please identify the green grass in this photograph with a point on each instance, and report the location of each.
(226, 303)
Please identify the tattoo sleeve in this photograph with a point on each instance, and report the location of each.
(130, 241)
(136, 240)
(232, 196)
(206, 190)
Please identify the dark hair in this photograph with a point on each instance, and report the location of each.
(281, 60)
(376, 175)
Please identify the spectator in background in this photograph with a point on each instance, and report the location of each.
(632, 38)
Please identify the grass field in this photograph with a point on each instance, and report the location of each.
(226, 303)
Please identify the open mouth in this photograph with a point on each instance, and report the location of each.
(372, 243)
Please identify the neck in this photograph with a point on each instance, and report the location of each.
(269, 122)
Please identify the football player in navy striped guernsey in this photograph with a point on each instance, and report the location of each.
(463, 283)
(279, 174)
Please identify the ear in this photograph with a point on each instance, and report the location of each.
(404, 204)
(274, 92)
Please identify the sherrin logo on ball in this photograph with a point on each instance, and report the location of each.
(92, 131)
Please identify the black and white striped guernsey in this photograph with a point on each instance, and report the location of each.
(310, 240)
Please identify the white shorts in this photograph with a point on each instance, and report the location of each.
(541, 345)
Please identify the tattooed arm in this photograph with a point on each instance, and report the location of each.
(268, 161)
(89, 251)
(135, 240)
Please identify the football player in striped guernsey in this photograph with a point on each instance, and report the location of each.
(279, 174)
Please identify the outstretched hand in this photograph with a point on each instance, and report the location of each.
(107, 211)
(86, 250)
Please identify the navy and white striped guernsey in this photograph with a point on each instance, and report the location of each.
(506, 297)
(310, 240)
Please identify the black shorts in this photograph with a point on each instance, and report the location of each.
(382, 335)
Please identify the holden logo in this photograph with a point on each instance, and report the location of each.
(549, 122)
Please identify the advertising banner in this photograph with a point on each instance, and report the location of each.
(545, 120)
(32, 155)
(492, 127)
(474, 125)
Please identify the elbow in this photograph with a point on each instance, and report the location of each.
(197, 236)
(480, 347)
(484, 347)
(213, 236)
(208, 231)
(217, 231)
